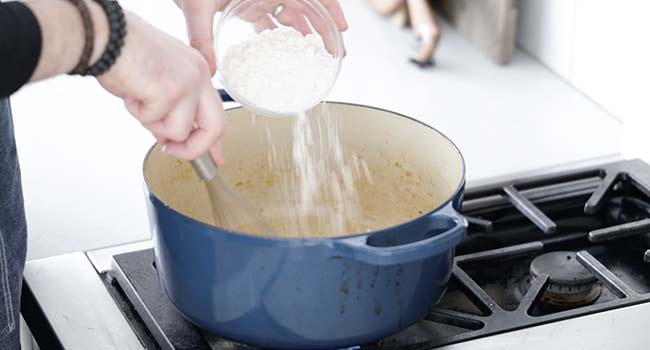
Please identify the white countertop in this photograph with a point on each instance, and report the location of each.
(81, 152)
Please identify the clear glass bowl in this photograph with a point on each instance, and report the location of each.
(242, 20)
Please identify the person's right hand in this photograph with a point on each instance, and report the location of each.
(199, 15)
(166, 85)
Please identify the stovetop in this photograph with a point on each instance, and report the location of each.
(540, 250)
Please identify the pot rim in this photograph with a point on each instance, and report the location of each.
(319, 240)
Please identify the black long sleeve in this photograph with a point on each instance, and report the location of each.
(20, 46)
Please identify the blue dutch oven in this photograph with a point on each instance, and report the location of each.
(320, 293)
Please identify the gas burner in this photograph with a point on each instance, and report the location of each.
(570, 284)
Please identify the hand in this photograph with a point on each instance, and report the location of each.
(166, 86)
(199, 15)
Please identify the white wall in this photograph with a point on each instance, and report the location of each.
(602, 48)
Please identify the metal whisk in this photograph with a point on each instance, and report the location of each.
(229, 209)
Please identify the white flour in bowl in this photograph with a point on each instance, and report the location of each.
(280, 70)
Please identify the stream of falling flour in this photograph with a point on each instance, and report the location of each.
(320, 196)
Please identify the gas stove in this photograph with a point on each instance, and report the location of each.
(558, 259)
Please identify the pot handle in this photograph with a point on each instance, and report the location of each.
(451, 221)
(225, 97)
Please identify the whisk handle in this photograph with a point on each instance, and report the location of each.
(205, 167)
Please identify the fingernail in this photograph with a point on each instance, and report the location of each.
(164, 148)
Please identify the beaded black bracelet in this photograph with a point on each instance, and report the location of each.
(117, 33)
(89, 36)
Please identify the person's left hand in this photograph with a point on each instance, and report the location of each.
(199, 16)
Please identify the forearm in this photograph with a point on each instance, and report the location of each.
(63, 35)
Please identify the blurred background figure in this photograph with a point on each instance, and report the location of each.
(419, 15)
(490, 25)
